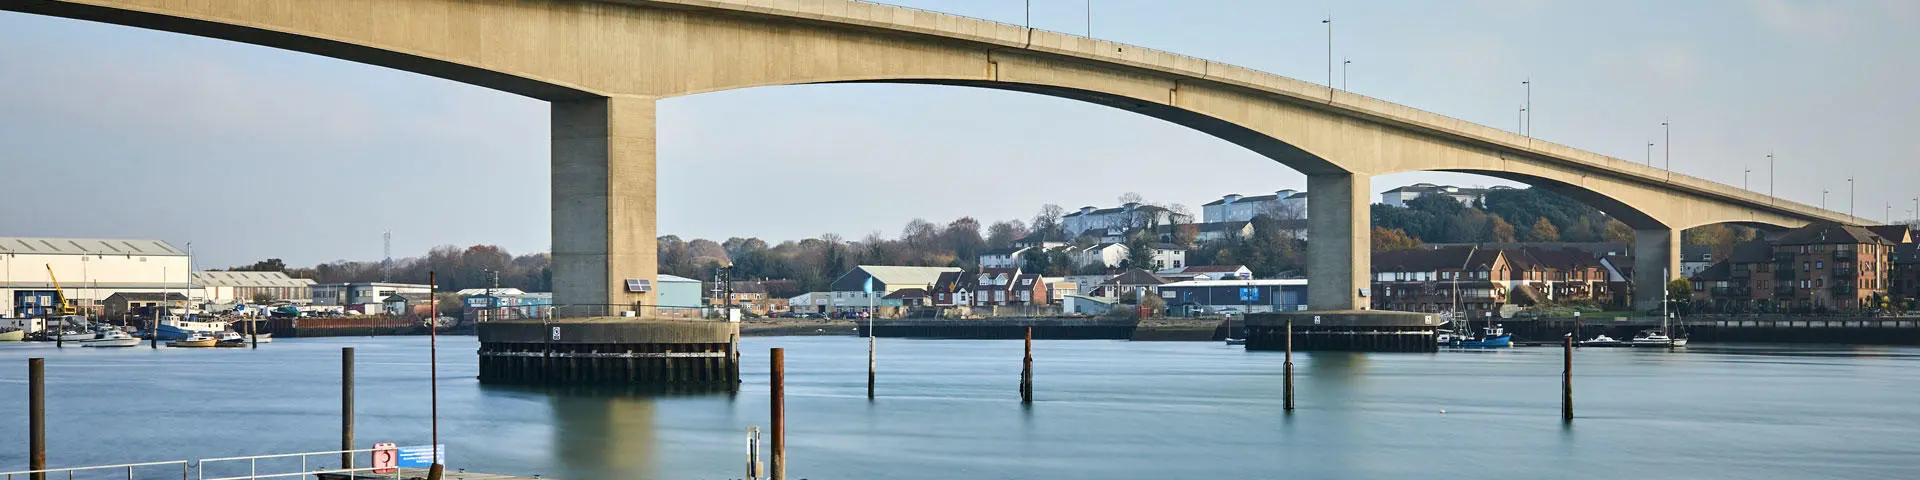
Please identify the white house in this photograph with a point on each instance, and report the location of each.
(1106, 254)
(1399, 197)
(1125, 217)
(1002, 257)
(1233, 207)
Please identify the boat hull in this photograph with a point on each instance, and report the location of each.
(13, 336)
(112, 342)
(175, 332)
(202, 343)
(1497, 341)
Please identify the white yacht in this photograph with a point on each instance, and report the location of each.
(112, 338)
(1653, 338)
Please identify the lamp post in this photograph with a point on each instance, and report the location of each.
(1823, 199)
(1667, 126)
(1329, 23)
(1344, 73)
(1850, 197)
(1744, 178)
(1649, 154)
(1528, 124)
(1520, 120)
(1770, 175)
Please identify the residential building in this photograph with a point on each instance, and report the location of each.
(952, 289)
(849, 291)
(88, 269)
(1107, 255)
(1233, 207)
(1465, 279)
(1694, 258)
(1905, 280)
(909, 297)
(1125, 217)
(1822, 266)
(748, 296)
(1129, 285)
(417, 305)
(1008, 286)
(1058, 288)
(1399, 197)
(1002, 257)
(1741, 281)
(227, 288)
(1205, 297)
(1559, 275)
(1165, 256)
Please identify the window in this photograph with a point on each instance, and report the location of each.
(1819, 265)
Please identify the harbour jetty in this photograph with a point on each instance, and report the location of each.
(1005, 328)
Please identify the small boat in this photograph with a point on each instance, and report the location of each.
(1602, 341)
(193, 341)
(112, 339)
(1236, 341)
(176, 328)
(12, 334)
(72, 336)
(1654, 338)
(229, 339)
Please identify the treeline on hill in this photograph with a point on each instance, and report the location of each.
(1520, 215)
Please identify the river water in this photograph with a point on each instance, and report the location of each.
(950, 409)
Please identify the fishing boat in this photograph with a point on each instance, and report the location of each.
(112, 339)
(194, 341)
(1495, 337)
(12, 334)
(1654, 338)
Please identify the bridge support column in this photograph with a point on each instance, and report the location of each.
(603, 202)
(1339, 241)
(1656, 261)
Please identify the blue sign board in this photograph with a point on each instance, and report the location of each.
(1249, 294)
(421, 456)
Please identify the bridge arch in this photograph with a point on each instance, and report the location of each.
(603, 65)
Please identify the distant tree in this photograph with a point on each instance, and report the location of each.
(1385, 240)
(1543, 231)
(1139, 252)
(1132, 197)
(268, 265)
(1003, 234)
(1679, 290)
(1047, 223)
(1499, 231)
(1618, 232)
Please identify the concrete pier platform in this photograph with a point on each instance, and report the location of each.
(610, 351)
(1344, 330)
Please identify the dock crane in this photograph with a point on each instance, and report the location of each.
(67, 306)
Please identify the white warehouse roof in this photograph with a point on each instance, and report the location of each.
(248, 279)
(86, 246)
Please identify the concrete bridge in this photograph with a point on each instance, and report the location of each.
(603, 65)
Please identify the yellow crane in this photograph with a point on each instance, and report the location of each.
(66, 306)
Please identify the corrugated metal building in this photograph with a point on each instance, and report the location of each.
(89, 270)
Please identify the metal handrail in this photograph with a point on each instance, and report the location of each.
(185, 468)
(253, 465)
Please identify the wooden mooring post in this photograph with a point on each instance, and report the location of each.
(871, 365)
(37, 416)
(778, 392)
(1566, 381)
(1289, 367)
(1026, 372)
(346, 407)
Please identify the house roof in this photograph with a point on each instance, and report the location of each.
(1893, 233)
(1211, 269)
(248, 279)
(1696, 253)
(1908, 254)
(1720, 271)
(1757, 251)
(1135, 277)
(1026, 280)
(1119, 209)
(1003, 251)
(899, 276)
(145, 297)
(749, 286)
(953, 282)
(906, 293)
(86, 246)
(1422, 260)
(1825, 233)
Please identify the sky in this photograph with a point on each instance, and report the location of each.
(249, 152)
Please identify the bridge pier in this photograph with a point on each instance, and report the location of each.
(620, 351)
(1340, 242)
(1656, 261)
(603, 201)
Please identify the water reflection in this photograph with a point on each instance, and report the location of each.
(608, 431)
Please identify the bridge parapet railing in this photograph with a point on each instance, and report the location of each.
(144, 470)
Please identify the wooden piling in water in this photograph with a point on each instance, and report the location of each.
(37, 416)
(1566, 381)
(871, 365)
(1026, 372)
(1289, 367)
(778, 393)
(346, 406)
